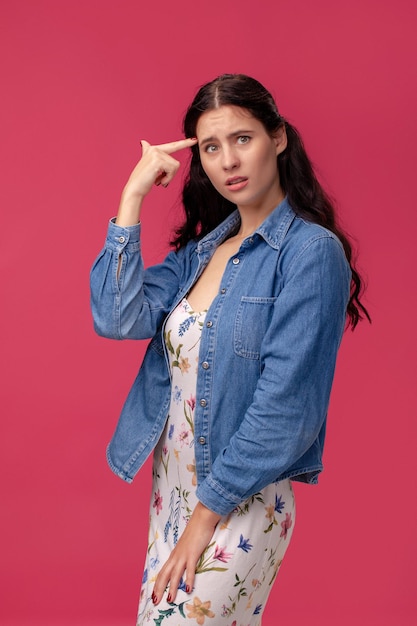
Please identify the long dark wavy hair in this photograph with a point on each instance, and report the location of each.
(205, 208)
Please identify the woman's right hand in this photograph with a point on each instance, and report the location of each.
(156, 167)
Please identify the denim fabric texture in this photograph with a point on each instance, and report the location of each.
(267, 354)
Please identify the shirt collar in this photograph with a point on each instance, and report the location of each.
(273, 229)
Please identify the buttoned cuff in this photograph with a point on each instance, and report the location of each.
(118, 237)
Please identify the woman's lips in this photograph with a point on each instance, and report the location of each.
(236, 183)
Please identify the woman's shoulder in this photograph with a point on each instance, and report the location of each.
(307, 243)
(303, 233)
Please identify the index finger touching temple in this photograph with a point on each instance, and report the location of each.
(174, 146)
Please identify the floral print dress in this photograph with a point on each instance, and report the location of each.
(235, 573)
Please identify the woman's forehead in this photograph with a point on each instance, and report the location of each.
(226, 119)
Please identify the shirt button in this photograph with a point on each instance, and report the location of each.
(209, 324)
(202, 440)
(223, 290)
(203, 402)
(236, 261)
(251, 240)
(121, 240)
(205, 365)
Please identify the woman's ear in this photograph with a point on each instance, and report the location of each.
(280, 139)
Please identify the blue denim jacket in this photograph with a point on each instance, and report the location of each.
(267, 353)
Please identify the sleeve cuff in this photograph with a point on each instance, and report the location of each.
(120, 236)
(215, 498)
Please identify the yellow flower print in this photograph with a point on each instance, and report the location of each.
(191, 468)
(199, 610)
(184, 365)
(270, 512)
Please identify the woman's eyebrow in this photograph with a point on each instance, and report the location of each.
(235, 133)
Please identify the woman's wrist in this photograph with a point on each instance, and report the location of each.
(206, 515)
(129, 209)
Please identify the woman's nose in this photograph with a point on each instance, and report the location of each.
(230, 159)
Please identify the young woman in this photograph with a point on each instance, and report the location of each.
(246, 315)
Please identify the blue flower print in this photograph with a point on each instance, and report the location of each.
(171, 431)
(244, 544)
(153, 562)
(176, 394)
(258, 609)
(145, 576)
(279, 504)
(185, 325)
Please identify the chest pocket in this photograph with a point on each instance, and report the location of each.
(251, 322)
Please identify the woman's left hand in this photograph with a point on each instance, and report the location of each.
(185, 555)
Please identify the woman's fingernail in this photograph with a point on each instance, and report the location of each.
(187, 588)
(169, 597)
(154, 598)
(165, 185)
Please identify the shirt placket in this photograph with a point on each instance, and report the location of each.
(204, 390)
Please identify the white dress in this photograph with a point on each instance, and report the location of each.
(235, 573)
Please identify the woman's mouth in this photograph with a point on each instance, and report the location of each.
(236, 183)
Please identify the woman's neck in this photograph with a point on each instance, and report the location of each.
(252, 217)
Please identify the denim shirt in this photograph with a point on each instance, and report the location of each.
(267, 353)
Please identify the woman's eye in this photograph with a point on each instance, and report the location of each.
(211, 148)
(243, 139)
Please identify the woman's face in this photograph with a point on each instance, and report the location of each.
(240, 158)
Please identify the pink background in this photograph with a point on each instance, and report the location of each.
(82, 82)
